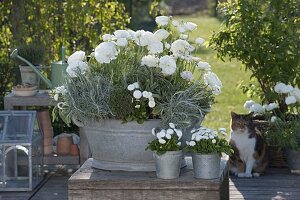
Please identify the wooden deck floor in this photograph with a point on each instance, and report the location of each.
(275, 185)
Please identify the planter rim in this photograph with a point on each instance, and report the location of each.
(205, 154)
(169, 152)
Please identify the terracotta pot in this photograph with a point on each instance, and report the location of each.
(74, 150)
(64, 143)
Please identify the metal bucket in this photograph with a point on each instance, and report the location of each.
(168, 165)
(293, 160)
(121, 146)
(206, 166)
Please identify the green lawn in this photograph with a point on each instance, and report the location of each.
(231, 74)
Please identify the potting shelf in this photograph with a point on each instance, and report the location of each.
(90, 183)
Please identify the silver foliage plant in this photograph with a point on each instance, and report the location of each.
(186, 107)
(86, 99)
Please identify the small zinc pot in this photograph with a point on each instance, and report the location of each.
(206, 166)
(168, 164)
(293, 160)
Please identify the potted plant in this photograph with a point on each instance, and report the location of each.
(283, 127)
(135, 81)
(206, 146)
(34, 52)
(167, 151)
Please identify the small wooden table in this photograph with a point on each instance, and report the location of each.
(89, 183)
(40, 99)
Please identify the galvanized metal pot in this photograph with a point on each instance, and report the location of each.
(206, 166)
(293, 160)
(168, 164)
(121, 146)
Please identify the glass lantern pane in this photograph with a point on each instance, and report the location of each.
(17, 128)
(17, 167)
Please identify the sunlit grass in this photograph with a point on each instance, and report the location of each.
(231, 74)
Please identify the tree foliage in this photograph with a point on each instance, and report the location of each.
(75, 24)
(264, 35)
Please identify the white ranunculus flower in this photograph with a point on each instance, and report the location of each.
(175, 23)
(192, 143)
(272, 106)
(153, 132)
(61, 90)
(203, 65)
(155, 47)
(122, 42)
(131, 34)
(121, 34)
(130, 87)
(257, 108)
(273, 118)
(76, 67)
(108, 37)
(150, 95)
(181, 28)
(55, 97)
(167, 45)
(172, 125)
(296, 93)
(214, 141)
(199, 41)
(290, 100)
(161, 141)
(167, 64)
(170, 131)
(181, 48)
(145, 94)
(248, 104)
(162, 20)
(190, 26)
(105, 52)
(183, 36)
(150, 98)
(179, 143)
(168, 136)
(212, 80)
(187, 75)
(136, 85)
(161, 134)
(77, 55)
(144, 38)
(150, 61)
(161, 34)
(137, 94)
(151, 104)
(282, 88)
(178, 133)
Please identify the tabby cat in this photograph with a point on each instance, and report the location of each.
(249, 158)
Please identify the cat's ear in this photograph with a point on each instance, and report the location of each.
(233, 114)
(250, 116)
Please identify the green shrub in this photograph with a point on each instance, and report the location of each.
(34, 52)
(264, 35)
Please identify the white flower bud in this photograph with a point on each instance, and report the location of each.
(137, 94)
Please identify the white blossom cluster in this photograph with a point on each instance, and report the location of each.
(204, 133)
(258, 108)
(59, 90)
(160, 52)
(293, 94)
(138, 94)
(163, 135)
(76, 63)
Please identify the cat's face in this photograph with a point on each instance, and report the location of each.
(239, 123)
